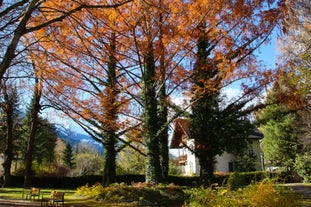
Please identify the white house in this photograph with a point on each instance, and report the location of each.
(181, 141)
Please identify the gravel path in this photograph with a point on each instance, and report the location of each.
(302, 189)
(18, 203)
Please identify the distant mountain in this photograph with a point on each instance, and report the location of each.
(74, 137)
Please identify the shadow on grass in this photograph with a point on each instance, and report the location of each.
(12, 197)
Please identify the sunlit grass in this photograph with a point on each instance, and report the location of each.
(11, 193)
(73, 200)
(70, 198)
(17, 193)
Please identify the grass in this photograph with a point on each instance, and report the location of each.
(73, 200)
(70, 198)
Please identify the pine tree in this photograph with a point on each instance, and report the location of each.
(68, 156)
(281, 142)
(213, 128)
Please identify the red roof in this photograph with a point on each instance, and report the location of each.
(181, 131)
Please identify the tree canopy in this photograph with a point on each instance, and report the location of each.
(116, 67)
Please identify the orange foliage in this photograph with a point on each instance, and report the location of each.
(74, 53)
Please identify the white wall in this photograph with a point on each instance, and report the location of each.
(192, 166)
(222, 164)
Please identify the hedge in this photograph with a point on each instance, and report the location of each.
(233, 180)
(242, 179)
(75, 182)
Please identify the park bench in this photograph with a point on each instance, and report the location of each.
(31, 194)
(54, 199)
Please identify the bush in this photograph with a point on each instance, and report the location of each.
(237, 180)
(190, 181)
(255, 195)
(75, 182)
(137, 194)
(303, 167)
(193, 181)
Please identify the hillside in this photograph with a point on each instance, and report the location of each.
(75, 137)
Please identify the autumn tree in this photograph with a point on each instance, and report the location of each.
(294, 90)
(33, 16)
(86, 88)
(158, 51)
(17, 21)
(155, 49)
(99, 78)
(163, 97)
(294, 62)
(224, 54)
(280, 126)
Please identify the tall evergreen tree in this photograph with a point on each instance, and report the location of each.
(46, 137)
(213, 128)
(45, 142)
(280, 126)
(33, 113)
(68, 156)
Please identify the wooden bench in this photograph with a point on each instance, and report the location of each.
(31, 194)
(54, 199)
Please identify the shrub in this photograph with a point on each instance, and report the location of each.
(190, 181)
(303, 167)
(237, 180)
(255, 195)
(138, 193)
(96, 191)
(200, 197)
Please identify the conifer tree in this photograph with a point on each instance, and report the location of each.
(280, 126)
(68, 156)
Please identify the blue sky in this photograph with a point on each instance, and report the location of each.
(267, 53)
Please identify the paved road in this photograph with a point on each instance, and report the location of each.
(302, 189)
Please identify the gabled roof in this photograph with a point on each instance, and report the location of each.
(181, 130)
(182, 133)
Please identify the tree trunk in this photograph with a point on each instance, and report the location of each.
(164, 151)
(109, 174)
(29, 153)
(8, 153)
(163, 112)
(9, 107)
(110, 123)
(31, 141)
(150, 119)
(207, 164)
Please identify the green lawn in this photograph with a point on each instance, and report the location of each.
(70, 198)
